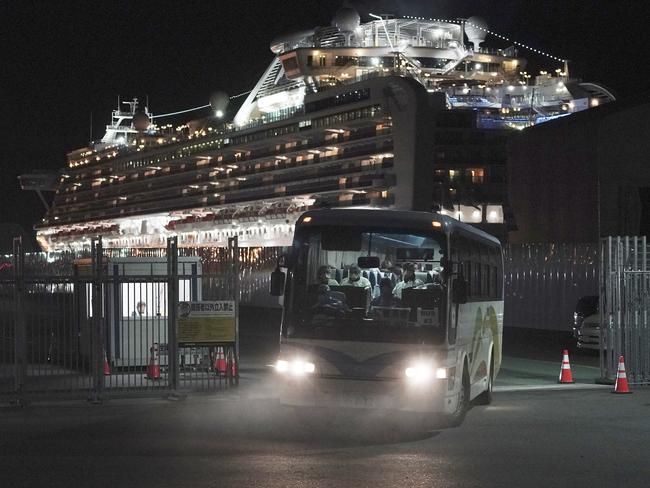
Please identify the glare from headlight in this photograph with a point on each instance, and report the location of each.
(418, 373)
(282, 366)
(441, 373)
(310, 367)
(297, 367)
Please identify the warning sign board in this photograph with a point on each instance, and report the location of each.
(206, 322)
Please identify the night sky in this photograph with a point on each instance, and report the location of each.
(63, 60)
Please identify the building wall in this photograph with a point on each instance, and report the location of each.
(553, 184)
(623, 142)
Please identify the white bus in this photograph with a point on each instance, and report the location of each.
(419, 330)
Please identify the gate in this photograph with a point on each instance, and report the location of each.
(625, 308)
(102, 326)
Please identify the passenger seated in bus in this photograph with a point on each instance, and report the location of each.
(330, 302)
(355, 279)
(436, 275)
(324, 277)
(385, 298)
(409, 281)
(397, 273)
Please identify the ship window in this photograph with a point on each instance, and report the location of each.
(322, 61)
(290, 64)
(310, 60)
(476, 175)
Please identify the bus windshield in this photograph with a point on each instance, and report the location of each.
(366, 284)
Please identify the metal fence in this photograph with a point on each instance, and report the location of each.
(544, 281)
(102, 326)
(625, 308)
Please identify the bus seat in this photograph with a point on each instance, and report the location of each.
(338, 275)
(372, 278)
(423, 276)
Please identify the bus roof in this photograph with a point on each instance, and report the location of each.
(394, 218)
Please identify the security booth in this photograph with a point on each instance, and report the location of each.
(134, 305)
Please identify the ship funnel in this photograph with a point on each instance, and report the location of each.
(476, 30)
(348, 21)
(141, 121)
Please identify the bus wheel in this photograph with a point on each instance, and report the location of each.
(456, 418)
(485, 398)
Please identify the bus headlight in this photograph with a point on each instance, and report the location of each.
(282, 366)
(420, 373)
(296, 367)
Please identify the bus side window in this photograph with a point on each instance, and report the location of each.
(485, 280)
(499, 269)
(494, 273)
(461, 256)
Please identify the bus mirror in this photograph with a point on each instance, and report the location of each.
(277, 283)
(368, 262)
(459, 290)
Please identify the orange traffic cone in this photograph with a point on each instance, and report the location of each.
(565, 372)
(153, 369)
(621, 385)
(220, 361)
(107, 368)
(233, 363)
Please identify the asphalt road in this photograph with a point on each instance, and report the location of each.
(528, 438)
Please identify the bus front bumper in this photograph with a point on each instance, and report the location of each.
(389, 394)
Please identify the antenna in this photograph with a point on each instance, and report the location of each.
(91, 127)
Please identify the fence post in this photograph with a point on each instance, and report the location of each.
(20, 343)
(233, 247)
(603, 308)
(97, 322)
(172, 313)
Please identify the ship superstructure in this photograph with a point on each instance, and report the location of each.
(396, 113)
(433, 52)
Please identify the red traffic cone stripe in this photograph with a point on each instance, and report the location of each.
(565, 371)
(153, 369)
(621, 385)
(220, 365)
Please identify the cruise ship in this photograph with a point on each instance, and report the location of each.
(403, 113)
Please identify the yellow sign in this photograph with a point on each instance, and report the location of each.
(206, 322)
